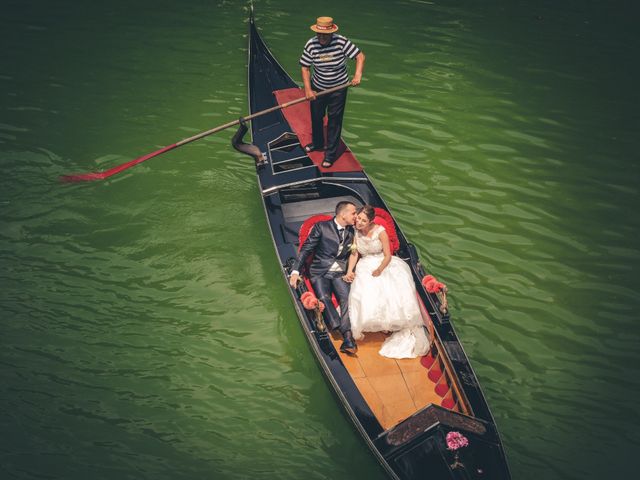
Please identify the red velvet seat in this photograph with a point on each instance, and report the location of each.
(382, 218)
(429, 358)
(450, 401)
(435, 372)
(308, 224)
(443, 386)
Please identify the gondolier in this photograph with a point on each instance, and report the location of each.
(327, 53)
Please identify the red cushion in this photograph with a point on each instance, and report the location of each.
(435, 373)
(442, 388)
(308, 224)
(384, 218)
(428, 360)
(448, 402)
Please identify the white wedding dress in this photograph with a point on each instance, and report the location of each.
(387, 302)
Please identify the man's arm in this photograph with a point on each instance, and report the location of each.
(357, 77)
(353, 259)
(308, 247)
(306, 80)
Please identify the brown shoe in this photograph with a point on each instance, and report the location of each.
(349, 345)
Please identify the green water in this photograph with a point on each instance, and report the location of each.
(145, 329)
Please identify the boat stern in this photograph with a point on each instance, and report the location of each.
(423, 446)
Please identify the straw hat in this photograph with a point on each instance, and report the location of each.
(324, 25)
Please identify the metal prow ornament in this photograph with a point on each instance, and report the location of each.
(247, 148)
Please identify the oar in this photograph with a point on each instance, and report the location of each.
(85, 177)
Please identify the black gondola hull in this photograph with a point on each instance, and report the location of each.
(416, 447)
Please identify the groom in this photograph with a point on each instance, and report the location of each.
(329, 243)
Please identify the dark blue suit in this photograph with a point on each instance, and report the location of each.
(324, 244)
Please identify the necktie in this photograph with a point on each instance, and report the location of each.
(341, 234)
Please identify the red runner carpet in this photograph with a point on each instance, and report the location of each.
(299, 118)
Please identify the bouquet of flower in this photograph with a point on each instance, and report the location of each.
(311, 302)
(456, 441)
(432, 285)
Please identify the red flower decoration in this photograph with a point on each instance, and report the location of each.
(427, 279)
(432, 285)
(310, 303)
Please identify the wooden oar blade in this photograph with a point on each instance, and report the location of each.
(88, 177)
(82, 177)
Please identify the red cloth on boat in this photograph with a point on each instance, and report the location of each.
(299, 118)
(308, 224)
(384, 218)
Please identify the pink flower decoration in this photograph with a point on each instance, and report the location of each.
(430, 286)
(456, 440)
(310, 302)
(427, 279)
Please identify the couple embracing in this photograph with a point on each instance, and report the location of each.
(375, 289)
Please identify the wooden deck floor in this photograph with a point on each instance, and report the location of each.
(394, 389)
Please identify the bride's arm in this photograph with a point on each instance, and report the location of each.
(386, 249)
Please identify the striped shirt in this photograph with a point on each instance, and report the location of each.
(330, 61)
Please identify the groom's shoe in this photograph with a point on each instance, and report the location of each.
(349, 345)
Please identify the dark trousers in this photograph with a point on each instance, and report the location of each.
(331, 282)
(333, 104)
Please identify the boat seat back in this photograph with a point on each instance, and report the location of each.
(307, 225)
(382, 218)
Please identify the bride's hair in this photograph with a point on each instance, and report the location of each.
(368, 211)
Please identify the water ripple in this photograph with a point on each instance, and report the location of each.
(146, 329)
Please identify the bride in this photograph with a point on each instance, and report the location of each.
(383, 295)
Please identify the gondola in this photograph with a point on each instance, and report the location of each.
(406, 410)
